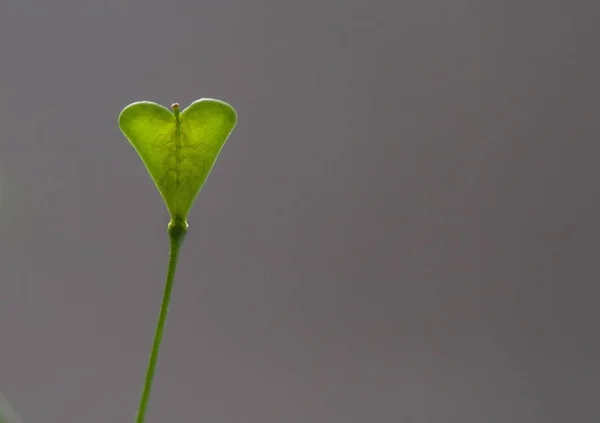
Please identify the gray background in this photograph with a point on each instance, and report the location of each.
(402, 228)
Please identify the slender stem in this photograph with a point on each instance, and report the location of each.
(177, 230)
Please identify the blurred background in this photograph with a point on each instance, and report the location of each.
(402, 228)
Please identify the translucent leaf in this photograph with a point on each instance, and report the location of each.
(178, 149)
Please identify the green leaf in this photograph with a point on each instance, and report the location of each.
(178, 149)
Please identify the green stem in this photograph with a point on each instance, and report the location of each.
(177, 230)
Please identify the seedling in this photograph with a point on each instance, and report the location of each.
(179, 149)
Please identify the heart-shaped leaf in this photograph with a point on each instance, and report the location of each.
(178, 149)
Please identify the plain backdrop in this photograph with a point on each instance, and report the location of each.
(403, 227)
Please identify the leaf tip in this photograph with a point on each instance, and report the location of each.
(176, 110)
